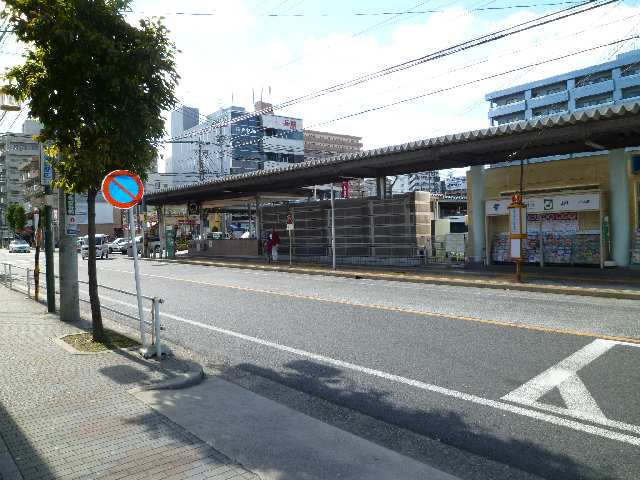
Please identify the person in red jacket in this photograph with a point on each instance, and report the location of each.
(275, 241)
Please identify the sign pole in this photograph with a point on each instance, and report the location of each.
(136, 268)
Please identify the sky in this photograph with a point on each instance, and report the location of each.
(281, 49)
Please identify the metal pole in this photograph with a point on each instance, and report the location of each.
(28, 284)
(10, 278)
(290, 249)
(48, 252)
(156, 326)
(333, 229)
(136, 269)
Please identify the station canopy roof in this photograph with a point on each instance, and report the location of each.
(609, 127)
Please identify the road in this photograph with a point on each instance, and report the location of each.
(535, 385)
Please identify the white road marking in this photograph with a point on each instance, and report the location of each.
(564, 376)
(498, 405)
(553, 377)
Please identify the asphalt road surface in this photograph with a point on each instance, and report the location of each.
(545, 385)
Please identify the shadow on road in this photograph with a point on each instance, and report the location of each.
(447, 426)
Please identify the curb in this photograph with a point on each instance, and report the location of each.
(522, 287)
(182, 380)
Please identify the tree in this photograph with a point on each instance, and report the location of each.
(16, 217)
(98, 85)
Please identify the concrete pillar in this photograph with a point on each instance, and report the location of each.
(620, 214)
(478, 218)
(68, 266)
(381, 187)
(161, 231)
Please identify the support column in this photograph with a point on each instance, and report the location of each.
(333, 228)
(259, 224)
(478, 219)
(161, 231)
(381, 187)
(619, 207)
(68, 263)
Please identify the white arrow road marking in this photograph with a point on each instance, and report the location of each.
(564, 376)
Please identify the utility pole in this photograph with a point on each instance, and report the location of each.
(68, 258)
(48, 252)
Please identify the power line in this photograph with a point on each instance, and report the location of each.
(484, 39)
(471, 82)
(364, 14)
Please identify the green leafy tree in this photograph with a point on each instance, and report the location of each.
(16, 217)
(98, 85)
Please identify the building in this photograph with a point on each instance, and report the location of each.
(232, 140)
(182, 119)
(319, 145)
(18, 151)
(425, 182)
(582, 209)
(599, 85)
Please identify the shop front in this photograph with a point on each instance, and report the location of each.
(567, 228)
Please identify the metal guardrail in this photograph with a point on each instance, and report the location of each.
(14, 279)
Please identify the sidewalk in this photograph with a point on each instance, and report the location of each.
(596, 284)
(66, 416)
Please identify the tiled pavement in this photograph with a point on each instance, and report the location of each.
(67, 416)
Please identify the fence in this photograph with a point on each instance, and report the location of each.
(22, 279)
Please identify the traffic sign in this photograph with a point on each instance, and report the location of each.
(122, 189)
(289, 222)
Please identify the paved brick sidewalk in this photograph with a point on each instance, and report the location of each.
(67, 416)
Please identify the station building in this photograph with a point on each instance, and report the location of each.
(582, 209)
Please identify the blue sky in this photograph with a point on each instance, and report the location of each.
(241, 49)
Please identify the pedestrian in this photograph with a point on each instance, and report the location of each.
(268, 245)
(275, 241)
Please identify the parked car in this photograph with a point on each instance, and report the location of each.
(102, 248)
(79, 244)
(124, 246)
(115, 245)
(19, 245)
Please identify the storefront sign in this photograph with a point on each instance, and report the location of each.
(565, 222)
(553, 203)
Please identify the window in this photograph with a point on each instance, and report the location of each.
(593, 78)
(552, 109)
(548, 89)
(516, 117)
(631, 92)
(22, 146)
(593, 100)
(508, 100)
(628, 70)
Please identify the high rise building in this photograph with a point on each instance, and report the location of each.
(231, 141)
(599, 85)
(182, 119)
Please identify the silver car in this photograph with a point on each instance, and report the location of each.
(19, 246)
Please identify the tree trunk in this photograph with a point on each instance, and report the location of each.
(96, 314)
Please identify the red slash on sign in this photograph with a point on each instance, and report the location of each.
(122, 189)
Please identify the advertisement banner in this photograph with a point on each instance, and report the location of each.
(552, 203)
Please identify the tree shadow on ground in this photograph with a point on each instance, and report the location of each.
(445, 425)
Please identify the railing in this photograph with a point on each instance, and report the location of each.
(22, 279)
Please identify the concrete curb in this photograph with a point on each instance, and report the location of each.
(479, 283)
(183, 380)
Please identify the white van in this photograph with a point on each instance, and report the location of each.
(102, 246)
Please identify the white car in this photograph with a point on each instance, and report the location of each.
(19, 246)
(116, 244)
(102, 247)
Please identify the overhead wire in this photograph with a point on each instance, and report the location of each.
(484, 39)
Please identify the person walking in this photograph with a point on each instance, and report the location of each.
(275, 241)
(268, 245)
